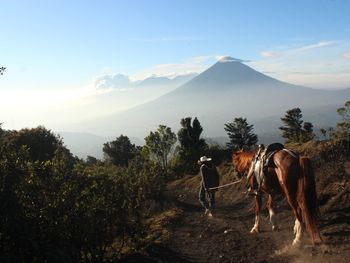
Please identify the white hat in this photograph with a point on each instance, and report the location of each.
(204, 159)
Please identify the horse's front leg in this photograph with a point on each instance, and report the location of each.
(256, 227)
(273, 220)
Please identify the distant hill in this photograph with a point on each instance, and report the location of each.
(224, 91)
(84, 144)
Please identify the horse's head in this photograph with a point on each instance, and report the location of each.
(250, 171)
(241, 161)
(235, 156)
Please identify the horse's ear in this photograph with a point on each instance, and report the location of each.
(235, 152)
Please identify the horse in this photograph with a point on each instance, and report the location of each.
(291, 175)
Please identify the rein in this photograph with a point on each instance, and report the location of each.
(224, 185)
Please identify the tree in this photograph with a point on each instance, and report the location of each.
(46, 194)
(40, 143)
(2, 132)
(191, 145)
(240, 134)
(91, 160)
(34, 168)
(120, 151)
(159, 145)
(294, 130)
(307, 132)
(2, 70)
(324, 133)
(343, 127)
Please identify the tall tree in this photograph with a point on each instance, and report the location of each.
(120, 151)
(240, 134)
(343, 127)
(308, 131)
(192, 146)
(159, 145)
(294, 130)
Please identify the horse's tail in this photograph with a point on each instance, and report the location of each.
(307, 197)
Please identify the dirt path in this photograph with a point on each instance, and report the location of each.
(226, 238)
(193, 237)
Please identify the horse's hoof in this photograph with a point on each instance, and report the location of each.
(275, 228)
(254, 231)
(296, 243)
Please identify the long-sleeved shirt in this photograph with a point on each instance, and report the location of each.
(210, 175)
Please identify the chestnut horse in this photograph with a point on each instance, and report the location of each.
(292, 176)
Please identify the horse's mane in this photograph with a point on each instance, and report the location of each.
(242, 160)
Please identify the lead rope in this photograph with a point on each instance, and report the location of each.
(224, 185)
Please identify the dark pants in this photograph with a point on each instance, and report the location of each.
(203, 198)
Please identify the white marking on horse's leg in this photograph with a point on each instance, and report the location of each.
(273, 219)
(255, 228)
(298, 231)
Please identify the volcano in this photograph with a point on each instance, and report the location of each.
(226, 90)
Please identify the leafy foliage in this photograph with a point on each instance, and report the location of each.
(240, 134)
(343, 127)
(192, 146)
(40, 143)
(55, 208)
(120, 151)
(159, 145)
(2, 133)
(295, 129)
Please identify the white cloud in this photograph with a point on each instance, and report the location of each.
(316, 65)
(315, 46)
(346, 55)
(225, 59)
(195, 64)
(111, 81)
(303, 48)
(270, 54)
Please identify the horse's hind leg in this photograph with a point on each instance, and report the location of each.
(298, 226)
(272, 213)
(256, 227)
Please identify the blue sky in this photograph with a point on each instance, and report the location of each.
(55, 49)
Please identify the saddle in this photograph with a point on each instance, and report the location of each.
(264, 160)
(268, 153)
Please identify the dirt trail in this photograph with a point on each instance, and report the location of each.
(226, 237)
(195, 237)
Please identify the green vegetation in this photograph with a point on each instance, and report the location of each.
(120, 151)
(192, 146)
(55, 207)
(159, 145)
(343, 127)
(295, 129)
(240, 134)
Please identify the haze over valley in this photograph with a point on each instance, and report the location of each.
(226, 90)
(132, 69)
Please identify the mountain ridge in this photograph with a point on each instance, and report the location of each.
(218, 95)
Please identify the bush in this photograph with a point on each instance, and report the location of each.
(59, 209)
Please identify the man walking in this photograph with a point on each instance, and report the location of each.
(210, 178)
